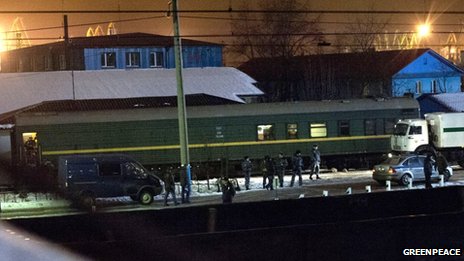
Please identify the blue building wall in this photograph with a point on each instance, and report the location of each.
(424, 71)
(197, 56)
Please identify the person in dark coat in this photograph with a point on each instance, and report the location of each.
(246, 169)
(270, 172)
(429, 165)
(281, 166)
(228, 190)
(185, 185)
(169, 187)
(315, 162)
(297, 165)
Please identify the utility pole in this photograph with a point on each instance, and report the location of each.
(181, 108)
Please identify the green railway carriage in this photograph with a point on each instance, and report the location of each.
(348, 132)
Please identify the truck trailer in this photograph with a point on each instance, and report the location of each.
(438, 132)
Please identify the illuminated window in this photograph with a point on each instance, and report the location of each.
(292, 131)
(317, 130)
(108, 60)
(133, 59)
(265, 132)
(344, 128)
(156, 59)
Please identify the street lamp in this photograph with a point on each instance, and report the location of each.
(423, 30)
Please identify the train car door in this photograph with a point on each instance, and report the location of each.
(30, 149)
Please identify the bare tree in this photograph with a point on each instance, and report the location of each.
(279, 31)
(366, 30)
(275, 32)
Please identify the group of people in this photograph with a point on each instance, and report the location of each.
(170, 186)
(271, 167)
(433, 162)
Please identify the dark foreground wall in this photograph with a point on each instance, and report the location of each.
(360, 227)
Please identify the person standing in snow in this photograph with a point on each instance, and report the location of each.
(246, 169)
(281, 166)
(228, 190)
(297, 165)
(169, 187)
(429, 166)
(315, 162)
(185, 185)
(270, 171)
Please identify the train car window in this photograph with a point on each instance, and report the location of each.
(344, 128)
(318, 129)
(292, 131)
(370, 127)
(265, 132)
(110, 169)
(389, 126)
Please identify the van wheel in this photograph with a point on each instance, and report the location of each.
(146, 197)
(87, 200)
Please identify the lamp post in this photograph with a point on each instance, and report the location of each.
(181, 108)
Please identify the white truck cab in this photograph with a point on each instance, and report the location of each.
(410, 134)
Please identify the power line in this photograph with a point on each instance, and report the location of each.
(266, 35)
(392, 12)
(85, 24)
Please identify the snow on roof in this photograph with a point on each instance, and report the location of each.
(454, 101)
(20, 90)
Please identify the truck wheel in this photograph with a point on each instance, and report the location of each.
(146, 197)
(405, 179)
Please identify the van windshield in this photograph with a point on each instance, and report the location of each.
(135, 171)
(401, 129)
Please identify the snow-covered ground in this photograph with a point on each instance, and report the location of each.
(10, 202)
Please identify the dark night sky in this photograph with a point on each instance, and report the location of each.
(159, 24)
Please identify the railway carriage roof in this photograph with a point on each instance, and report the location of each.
(219, 111)
(255, 109)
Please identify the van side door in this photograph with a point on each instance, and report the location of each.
(110, 179)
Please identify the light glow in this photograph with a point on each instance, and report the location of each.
(423, 30)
